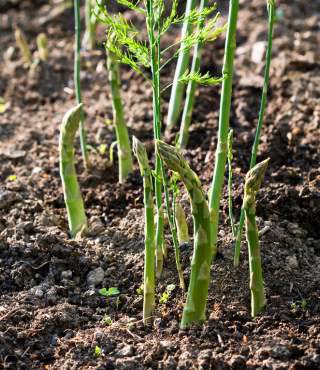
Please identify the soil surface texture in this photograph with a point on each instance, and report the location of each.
(51, 313)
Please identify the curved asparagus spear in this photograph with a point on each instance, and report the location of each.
(271, 12)
(123, 142)
(149, 273)
(252, 185)
(72, 196)
(195, 306)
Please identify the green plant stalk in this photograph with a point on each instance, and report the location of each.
(252, 185)
(195, 306)
(271, 20)
(230, 158)
(191, 89)
(224, 116)
(123, 142)
(89, 39)
(72, 195)
(181, 222)
(178, 88)
(23, 46)
(77, 67)
(160, 174)
(42, 45)
(149, 259)
(154, 46)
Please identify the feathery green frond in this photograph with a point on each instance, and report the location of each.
(132, 5)
(201, 79)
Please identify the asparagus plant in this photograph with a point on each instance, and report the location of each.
(181, 222)
(182, 65)
(149, 263)
(77, 67)
(271, 19)
(89, 39)
(194, 308)
(23, 46)
(225, 105)
(230, 158)
(191, 89)
(42, 44)
(123, 142)
(252, 185)
(72, 195)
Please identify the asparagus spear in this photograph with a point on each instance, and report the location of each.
(194, 309)
(252, 185)
(123, 142)
(149, 273)
(72, 195)
(181, 222)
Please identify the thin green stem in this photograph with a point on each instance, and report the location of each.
(123, 142)
(72, 195)
(225, 106)
(253, 183)
(271, 20)
(77, 67)
(182, 64)
(191, 89)
(230, 158)
(154, 47)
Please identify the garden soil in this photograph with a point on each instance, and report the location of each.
(51, 313)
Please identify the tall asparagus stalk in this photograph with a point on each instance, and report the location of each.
(149, 256)
(178, 88)
(23, 46)
(72, 194)
(194, 309)
(191, 89)
(77, 67)
(154, 41)
(252, 185)
(254, 151)
(225, 105)
(230, 158)
(89, 39)
(123, 142)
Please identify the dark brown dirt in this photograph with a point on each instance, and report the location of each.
(51, 317)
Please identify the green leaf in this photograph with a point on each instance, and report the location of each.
(109, 292)
(12, 178)
(97, 351)
(107, 319)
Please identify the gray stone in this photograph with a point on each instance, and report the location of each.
(95, 277)
(126, 351)
(7, 198)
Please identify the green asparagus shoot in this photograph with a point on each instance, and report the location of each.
(181, 222)
(72, 195)
(224, 116)
(271, 12)
(230, 158)
(149, 256)
(195, 306)
(42, 44)
(89, 39)
(23, 46)
(123, 142)
(77, 68)
(253, 182)
(182, 64)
